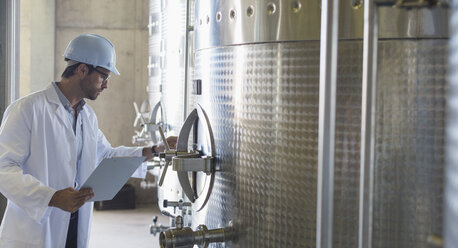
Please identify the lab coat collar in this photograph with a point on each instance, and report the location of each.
(63, 99)
(52, 97)
(51, 94)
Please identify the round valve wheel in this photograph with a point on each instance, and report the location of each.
(201, 190)
(153, 129)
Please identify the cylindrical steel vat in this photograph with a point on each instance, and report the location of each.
(258, 62)
(173, 35)
(259, 66)
(166, 70)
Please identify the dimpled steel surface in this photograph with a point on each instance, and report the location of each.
(262, 101)
(410, 121)
(347, 144)
(263, 105)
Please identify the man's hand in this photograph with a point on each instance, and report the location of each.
(148, 151)
(70, 200)
(172, 141)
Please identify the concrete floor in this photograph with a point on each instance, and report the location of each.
(125, 228)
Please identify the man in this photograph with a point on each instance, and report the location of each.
(49, 144)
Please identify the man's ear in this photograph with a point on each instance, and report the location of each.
(82, 70)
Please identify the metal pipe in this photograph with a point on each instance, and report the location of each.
(327, 116)
(186, 237)
(219, 235)
(189, 28)
(12, 51)
(368, 111)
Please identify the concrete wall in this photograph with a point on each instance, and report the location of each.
(124, 23)
(37, 29)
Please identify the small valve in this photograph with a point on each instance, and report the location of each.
(154, 228)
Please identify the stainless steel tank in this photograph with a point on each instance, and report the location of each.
(409, 174)
(173, 35)
(259, 66)
(258, 62)
(154, 54)
(166, 70)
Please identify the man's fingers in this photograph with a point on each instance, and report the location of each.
(86, 190)
(88, 196)
(83, 195)
(80, 202)
(172, 142)
(71, 200)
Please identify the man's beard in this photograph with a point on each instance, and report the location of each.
(89, 92)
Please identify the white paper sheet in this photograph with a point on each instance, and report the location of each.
(109, 177)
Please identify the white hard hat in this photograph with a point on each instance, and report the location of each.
(94, 50)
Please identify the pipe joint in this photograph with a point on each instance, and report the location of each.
(186, 237)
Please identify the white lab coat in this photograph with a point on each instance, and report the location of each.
(38, 152)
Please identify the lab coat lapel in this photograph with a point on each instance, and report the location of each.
(52, 97)
(89, 153)
(88, 164)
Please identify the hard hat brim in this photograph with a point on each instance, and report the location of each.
(115, 71)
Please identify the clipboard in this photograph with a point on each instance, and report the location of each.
(109, 177)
